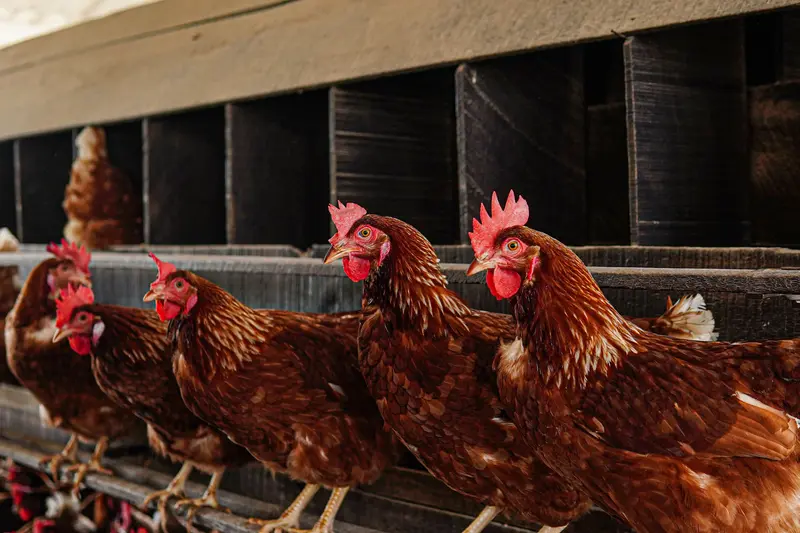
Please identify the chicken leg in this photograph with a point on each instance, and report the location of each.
(93, 465)
(482, 520)
(175, 488)
(68, 454)
(208, 499)
(325, 522)
(290, 518)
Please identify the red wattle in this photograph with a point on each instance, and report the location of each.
(503, 283)
(167, 310)
(25, 514)
(356, 268)
(81, 344)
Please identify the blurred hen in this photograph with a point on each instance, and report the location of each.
(100, 203)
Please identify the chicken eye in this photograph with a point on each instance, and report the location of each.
(364, 233)
(512, 246)
(179, 284)
(83, 317)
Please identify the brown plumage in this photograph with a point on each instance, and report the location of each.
(60, 380)
(100, 203)
(427, 357)
(9, 289)
(132, 363)
(284, 385)
(669, 435)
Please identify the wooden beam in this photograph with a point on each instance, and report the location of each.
(521, 127)
(184, 178)
(42, 168)
(393, 150)
(302, 44)
(278, 170)
(687, 132)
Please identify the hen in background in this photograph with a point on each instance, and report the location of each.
(427, 359)
(669, 435)
(132, 363)
(9, 289)
(284, 385)
(100, 203)
(61, 380)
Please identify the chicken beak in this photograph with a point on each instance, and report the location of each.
(337, 253)
(61, 333)
(82, 279)
(478, 266)
(152, 294)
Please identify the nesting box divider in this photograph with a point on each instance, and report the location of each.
(41, 169)
(521, 125)
(184, 178)
(277, 171)
(687, 132)
(392, 150)
(8, 195)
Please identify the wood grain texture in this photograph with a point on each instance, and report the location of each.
(775, 163)
(791, 45)
(8, 208)
(277, 170)
(42, 166)
(184, 178)
(521, 127)
(687, 126)
(319, 42)
(393, 150)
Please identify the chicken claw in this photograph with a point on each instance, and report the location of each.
(290, 518)
(325, 522)
(208, 500)
(68, 454)
(82, 469)
(174, 489)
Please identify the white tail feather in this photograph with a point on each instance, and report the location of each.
(689, 319)
(8, 243)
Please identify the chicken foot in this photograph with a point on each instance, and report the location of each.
(68, 454)
(482, 520)
(208, 500)
(82, 469)
(325, 522)
(290, 518)
(175, 488)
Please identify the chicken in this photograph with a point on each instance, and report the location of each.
(9, 289)
(426, 357)
(131, 361)
(100, 203)
(687, 318)
(669, 435)
(59, 379)
(282, 384)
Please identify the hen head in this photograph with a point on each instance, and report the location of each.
(513, 254)
(172, 291)
(76, 322)
(70, 266)
(91, 143)
(358, 242)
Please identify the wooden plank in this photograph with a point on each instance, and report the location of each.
(236, 57)
(521, 126)
(277, 170)
(42, 168)
(687, 128)
(393, 150)
(184, 178)
(775, 163)
(8, 208)
(791, 46)
(122, 26)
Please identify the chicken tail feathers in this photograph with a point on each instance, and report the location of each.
(688, 318)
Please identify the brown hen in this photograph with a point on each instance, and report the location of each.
(426, 357)
(59, 379)
(284, 385)
(100, 203)
(669, 435)
(131, 361)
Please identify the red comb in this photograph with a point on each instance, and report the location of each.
(485, 232)
(164, 268)
(68, 300)
(343, 218)
(79, 256)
